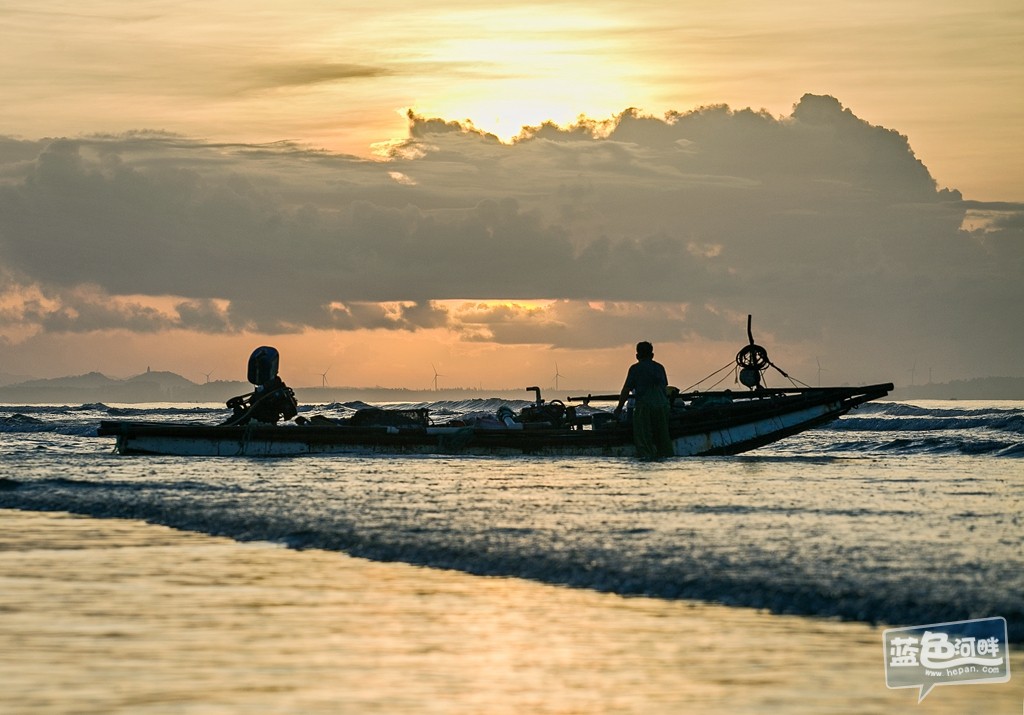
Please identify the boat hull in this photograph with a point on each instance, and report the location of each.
(714, 424)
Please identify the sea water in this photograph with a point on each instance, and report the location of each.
(448, 584)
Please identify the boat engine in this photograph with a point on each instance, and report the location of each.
(272, 400)
(551, 413)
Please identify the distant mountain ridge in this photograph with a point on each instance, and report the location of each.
(89, 379)
(150, 386)
(163, 377)
(161, 386)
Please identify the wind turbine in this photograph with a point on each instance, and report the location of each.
(436, 375)
(208, 375)
(323, 377)
(912, 369)
(820, 369)
(557, 375)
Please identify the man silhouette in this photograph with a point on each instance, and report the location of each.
(648, 382)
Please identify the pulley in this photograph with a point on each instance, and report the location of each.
(752, 360)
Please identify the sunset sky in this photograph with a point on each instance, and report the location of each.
(385, 189)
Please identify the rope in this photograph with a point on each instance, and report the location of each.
(726, 367)
(793, 381)
(243, 445)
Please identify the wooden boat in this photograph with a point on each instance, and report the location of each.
(704, 423)
(701, 423)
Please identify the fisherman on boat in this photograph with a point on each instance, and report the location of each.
(648, 383)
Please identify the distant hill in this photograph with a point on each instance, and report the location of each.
(322, 395)
(89, 380)
(96, 387)
(7, 378)
(160, 386)
(155, 386)
(981, 388)
(166, 380)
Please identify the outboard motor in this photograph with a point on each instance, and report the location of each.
(263, 364)
(272, 400)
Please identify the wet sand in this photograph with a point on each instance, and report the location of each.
(115, 616)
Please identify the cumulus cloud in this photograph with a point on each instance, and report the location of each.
(825, 226)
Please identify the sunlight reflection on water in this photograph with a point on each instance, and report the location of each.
(121, 617)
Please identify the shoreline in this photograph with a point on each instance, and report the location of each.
(114, 615)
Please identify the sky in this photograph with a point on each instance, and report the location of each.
(391, 193)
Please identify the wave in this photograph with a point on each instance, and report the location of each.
(947, 445)
(902, 428)
(82, 420)
(1005, 423)
(624, 557)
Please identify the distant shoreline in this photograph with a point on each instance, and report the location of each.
(166, 387)
(982, 388)
(220, 392)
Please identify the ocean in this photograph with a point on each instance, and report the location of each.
(759, 583)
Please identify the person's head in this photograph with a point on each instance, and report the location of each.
(644, 350)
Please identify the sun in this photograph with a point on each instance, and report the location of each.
(511, 75)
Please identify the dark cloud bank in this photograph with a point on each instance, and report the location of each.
(827, 228)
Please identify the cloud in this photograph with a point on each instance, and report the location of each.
(297, 74)
(825, 226)
(570, 323)
(80, 310)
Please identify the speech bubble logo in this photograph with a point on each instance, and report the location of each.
(955, 653)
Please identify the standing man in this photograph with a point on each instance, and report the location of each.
(648, 381)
